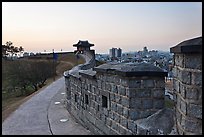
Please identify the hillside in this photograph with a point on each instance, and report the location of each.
(10, 101)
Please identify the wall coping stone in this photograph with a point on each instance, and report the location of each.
(188, 46)
(131, 69)
(87, 73)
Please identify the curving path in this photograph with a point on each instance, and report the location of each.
(42, 115)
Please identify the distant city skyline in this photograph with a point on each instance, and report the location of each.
(40, 26)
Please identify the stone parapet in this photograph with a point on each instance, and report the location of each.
(187, 86)
(108, 99)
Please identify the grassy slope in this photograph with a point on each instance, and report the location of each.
(65, 62)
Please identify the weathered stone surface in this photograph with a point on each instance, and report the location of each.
(158, 93)
(162, 120)
(159, 83)
(195, 110)
(143, 93)
(135, 103)
(183, 106)
(134, 114)
(147, 103)
(148, 83)
(134, 83)
(123, 122)
(125, 112)
(120, 109)
(125, 101)
(129, 91)
(121, 90)
(185, 77)
(197, 78)
(158, 104)
(118, 98)
(193, 45)
(179, 60)
(192, 93)
(190, 126)
(114, 88)
(193, 61)
(130, 70)
(132, 126)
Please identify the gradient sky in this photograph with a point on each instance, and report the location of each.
(39, 26)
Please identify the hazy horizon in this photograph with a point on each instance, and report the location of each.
(39, 26)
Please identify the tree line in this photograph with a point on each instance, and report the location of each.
(9, 49)
(22, 74)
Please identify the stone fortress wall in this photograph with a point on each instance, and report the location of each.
(128, 99)
(187, 86)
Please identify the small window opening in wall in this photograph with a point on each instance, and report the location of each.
(86, 99)
(98, 108)
(75, 97)
(104, 101)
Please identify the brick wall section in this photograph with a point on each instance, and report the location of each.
(129, 97)
(187, 86)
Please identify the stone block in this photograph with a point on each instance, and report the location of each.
(185, 77)
(183, 90)
(179, 60)
(119, 109)
(118, 99)
(195, 110)
(103, 118)
(125, 101)
(160, 83)
(134, 83)
(117, 117)
(148, 83)
(190, 125)
(122, 130)
(135, 103)
(107, 86)
(158, 103)
(147, 103)
(123, 122)
(103, 86)
(141, 131)
(191, 93)
(111, 115)
(131, 92)
(146, 113)
(174, 72)
(108, 122)
(113, 106)
(134, 114)
(176, 85)
(158, 93)
(121, 90)
(112, 97)
(116, 79)
(193, 61)
(125, 112)
(197, 78)
(114, 88)
(143, 93)
(183, 106)
(114, 125)
(99, 84)
(132, 126)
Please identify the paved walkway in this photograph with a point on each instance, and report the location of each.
(44, 114)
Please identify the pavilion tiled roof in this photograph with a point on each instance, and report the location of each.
(83, 44)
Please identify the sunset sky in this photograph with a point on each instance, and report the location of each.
(39, 26)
